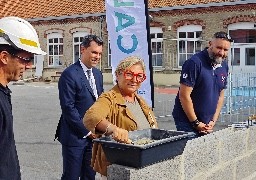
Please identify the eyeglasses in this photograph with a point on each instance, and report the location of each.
(223, 35)
(26, 60)
(140, 77)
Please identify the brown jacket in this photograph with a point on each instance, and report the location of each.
(111, 106)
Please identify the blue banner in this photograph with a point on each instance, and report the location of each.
(128, 35)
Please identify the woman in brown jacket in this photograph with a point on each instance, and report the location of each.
(119, 110)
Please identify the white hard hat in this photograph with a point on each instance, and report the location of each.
(20, 34)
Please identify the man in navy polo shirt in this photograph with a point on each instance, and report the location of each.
(202, 83)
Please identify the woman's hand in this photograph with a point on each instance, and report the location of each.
(120, 135)
(92, 136)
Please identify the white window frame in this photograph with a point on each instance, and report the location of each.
(57, 58)
(242, 47)
(188, 29)
(79, 35)
(155, 31)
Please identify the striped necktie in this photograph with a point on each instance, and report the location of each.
(90, 77)
(89, 71)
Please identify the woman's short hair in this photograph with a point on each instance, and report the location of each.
(129, 62)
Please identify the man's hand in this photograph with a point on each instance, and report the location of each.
(203, 128)
(207, 128)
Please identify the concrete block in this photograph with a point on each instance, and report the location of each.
(251, 138)
(223, 132)
(251, 177)
(117, 172)
(246, 165)
(165, 170)
(222, 171)
(216, 156)
(200, 155)
(233, 145)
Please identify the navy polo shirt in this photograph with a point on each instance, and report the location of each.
(207, 83)
(9, 163)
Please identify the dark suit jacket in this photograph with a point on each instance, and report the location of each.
(76, 96)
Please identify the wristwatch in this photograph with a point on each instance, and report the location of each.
(195, 123)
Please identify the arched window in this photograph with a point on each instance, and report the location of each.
(55, 49)
(189, 42)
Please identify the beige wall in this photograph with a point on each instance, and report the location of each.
(159, 79)
(166, 79)
(212, 20)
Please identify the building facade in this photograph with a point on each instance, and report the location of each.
(177, 30)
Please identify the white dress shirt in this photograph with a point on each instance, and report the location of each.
(93, 88)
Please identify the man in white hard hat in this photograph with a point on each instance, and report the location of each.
(18, 44)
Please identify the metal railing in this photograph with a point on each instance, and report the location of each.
(240, 97)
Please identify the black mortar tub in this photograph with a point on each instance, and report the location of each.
(159, 145)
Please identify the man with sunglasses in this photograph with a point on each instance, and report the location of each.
(79, 86)
(202, 83)
(18, 44)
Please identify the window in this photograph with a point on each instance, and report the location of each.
(156, 36)
(189, 42)
(250, 56)
(77, 40)
(243, 35)
(243, 49)
(236, 56)
(55, 49)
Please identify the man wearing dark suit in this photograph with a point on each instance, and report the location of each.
(77, 92)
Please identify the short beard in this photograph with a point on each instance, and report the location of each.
(215, 59)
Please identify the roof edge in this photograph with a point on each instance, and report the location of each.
(151, 10)
(65, 17)
(204, 5)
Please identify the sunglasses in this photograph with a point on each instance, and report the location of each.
(27, 60)
(140, 77)
(223, 35)
(91, 37)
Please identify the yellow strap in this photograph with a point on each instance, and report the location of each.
(28, 42)
(1, 31)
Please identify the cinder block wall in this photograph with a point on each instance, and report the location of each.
(227, 154)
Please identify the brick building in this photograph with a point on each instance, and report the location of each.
(178, 29)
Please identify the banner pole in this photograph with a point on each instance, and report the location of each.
(149, 52)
